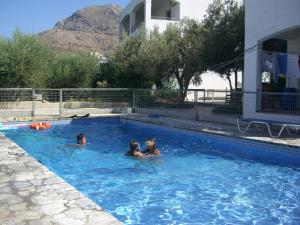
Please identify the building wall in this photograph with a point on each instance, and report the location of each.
(194, 9)
(264, 19)
(294, 45)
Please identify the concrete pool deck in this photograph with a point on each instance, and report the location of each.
(30, 194)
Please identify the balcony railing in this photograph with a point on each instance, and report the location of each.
(164, 18)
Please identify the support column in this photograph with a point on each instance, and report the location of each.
(131, 23)
(253, 86)
(148, 8)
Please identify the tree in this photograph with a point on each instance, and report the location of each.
(142, 60)
(129, 62)
(155, 58)
(24, 61)
(70, 70)
(185, 48)
(224, 38)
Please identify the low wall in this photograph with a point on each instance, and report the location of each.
(69, 105)
(195, 114)
(73, 105)
(15, 113)
(80, 111)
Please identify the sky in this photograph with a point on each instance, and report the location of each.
(33, 16)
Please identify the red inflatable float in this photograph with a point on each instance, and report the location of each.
(40, 126)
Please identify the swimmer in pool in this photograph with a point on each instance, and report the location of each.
(68, 149)
(135, 150)
(81, 139)
(151, 149)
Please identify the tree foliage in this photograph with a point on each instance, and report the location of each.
(224, 37)
(154, 58)
(132, 64)
(24, 61)
(70, 70)
(185, 47)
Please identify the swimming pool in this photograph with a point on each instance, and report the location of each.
(199, 179)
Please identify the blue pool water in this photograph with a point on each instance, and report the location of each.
(199, 179)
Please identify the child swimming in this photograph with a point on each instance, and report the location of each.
(134, 150)
(151, 149)
(81, 139)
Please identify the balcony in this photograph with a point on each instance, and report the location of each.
(137, 14)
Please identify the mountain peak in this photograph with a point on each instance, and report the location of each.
(91, 29)
(93, 19)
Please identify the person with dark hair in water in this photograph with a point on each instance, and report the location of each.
(81, 139)
(151, 149)
(135, 150)
(68, 149)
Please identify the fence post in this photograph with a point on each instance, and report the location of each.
(60, 103)
(195, 104)
(204, 96)
(133, 99)
(33, 103)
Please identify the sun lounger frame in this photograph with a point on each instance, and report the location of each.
(284, 126)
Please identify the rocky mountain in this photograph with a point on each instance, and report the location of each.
(92, 29)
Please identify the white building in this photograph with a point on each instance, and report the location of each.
(160, 13)
(272, 28)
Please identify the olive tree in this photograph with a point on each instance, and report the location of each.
(185, 50)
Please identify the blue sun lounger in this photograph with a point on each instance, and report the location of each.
(283, 126)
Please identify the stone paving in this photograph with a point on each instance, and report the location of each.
(30, 194)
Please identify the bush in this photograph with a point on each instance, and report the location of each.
(24, 61)
(70, 70)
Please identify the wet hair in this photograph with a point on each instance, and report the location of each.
(79, 138)
(134, 145)
(153, 141)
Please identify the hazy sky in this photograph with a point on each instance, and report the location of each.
(33, 16)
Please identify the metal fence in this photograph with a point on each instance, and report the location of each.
(279, 103)
(220, 100)
(191, 104)
(95, 100)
